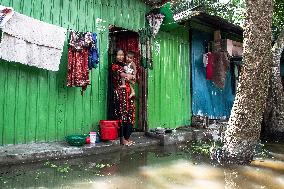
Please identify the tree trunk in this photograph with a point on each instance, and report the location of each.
(273, 119)
(245, 122)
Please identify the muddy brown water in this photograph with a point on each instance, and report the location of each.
(148, 168)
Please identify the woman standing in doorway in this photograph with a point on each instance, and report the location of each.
(124, 109)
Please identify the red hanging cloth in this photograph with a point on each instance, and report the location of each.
(209, 67)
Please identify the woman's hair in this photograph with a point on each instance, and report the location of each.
(116, 51)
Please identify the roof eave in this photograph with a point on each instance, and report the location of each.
(212, 21)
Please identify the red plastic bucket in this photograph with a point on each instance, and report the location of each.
(109, 129)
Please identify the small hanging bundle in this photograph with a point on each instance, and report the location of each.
(155, 22)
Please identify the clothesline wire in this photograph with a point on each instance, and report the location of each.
(70, 30)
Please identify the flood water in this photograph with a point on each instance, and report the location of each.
(157, 167)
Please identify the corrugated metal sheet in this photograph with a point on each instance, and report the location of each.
(35, 104)
(169, 81)
(206, 98)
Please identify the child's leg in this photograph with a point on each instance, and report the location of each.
(123, 83)
(132, 94)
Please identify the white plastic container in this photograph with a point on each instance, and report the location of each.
(93, 137)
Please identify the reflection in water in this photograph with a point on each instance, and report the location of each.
(184, 175)
(170, 167)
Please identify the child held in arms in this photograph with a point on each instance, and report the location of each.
(129, 68)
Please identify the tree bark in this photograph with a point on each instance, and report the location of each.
(273, 119)
(244, 127)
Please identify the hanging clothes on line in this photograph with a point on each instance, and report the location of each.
(82, 56)
(6, 14)
(32, 42)
(94, 52)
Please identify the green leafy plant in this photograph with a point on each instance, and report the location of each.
(62, 169)
(100, 166)
(203, 148)
(261, 152)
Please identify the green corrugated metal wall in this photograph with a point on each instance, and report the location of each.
(169, 82)
(35, 104)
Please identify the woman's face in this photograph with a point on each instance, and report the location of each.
(120, 56)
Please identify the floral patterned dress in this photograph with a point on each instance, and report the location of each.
(78, 55)
(124, 108)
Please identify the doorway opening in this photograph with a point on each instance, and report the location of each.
(126, 40)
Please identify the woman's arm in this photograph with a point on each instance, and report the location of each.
(122, 74)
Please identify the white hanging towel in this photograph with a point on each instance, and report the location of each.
(6, 14)
(32, 42)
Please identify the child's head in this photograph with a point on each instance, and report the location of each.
(130, 56)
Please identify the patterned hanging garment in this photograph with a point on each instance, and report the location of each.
(78, 55)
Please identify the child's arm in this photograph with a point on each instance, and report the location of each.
(123, 74)
(134, 68)
(133, 80)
